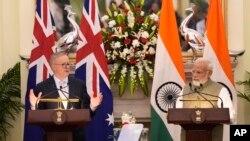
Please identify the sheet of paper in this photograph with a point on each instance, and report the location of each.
(130, 132)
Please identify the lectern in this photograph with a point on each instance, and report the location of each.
(198, 122)
(59, 124)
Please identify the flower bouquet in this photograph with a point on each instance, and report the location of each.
(130, 38)
(126, 118)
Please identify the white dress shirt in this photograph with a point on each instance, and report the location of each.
(63, 90)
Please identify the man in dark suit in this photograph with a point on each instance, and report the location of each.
(65, 87)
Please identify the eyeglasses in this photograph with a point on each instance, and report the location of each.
(64, 64)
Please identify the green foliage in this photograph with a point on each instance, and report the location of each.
(246, 94)
(10, 104)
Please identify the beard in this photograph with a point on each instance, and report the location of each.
(196, 83)
(199, 82)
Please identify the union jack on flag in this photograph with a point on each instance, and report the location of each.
(91, 66)
(43, 42)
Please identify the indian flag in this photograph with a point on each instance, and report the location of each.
(216, 50)
(168, 75)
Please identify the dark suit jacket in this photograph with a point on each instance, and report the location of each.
(77, 89)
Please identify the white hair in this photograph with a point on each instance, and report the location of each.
(205, 61)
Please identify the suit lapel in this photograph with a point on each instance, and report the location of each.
(70, 92)
(71, 88)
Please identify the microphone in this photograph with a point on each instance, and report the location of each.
(64, 94)
(194, 89)
(191, 88)
(198, 91)
(67, 97)
(204, 97)
(201, 88)
(52, 92)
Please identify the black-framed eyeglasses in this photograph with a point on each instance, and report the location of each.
(64, 64)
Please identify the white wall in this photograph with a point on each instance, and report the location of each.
(238, 33)
(1, 35)
(243, 106)
(26, 24)
(235, 25)
(9, 48)
(16, 25)
(247, 32)
(9, 43)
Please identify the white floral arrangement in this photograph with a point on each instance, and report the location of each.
(130, 38)
(128, 118)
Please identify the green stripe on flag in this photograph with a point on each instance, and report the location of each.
(159, 132)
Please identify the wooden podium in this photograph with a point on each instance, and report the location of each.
(59, 124)
(198, 122)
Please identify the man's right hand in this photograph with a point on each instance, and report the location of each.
(33, 98)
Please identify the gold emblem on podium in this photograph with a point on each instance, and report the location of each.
(59, 117)
(198, 116)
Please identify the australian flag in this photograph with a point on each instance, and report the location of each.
(91, 66)
(43, 42)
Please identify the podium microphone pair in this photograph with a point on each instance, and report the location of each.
(52, 92)
(199, 91)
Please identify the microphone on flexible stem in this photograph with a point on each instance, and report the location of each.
(64, 94)
(72, 107)
(195, 90)
(191, 88)
(201, 88)
(204, 97)
(190, 93)
(42, 96)
(50, 93)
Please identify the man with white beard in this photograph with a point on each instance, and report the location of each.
(196, 94)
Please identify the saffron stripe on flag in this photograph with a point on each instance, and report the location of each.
(216, 50)
(168, 70)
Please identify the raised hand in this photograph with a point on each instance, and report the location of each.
(33, 98)
(96, 101)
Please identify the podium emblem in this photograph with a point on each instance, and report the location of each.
(198, 116)
(59, 117)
